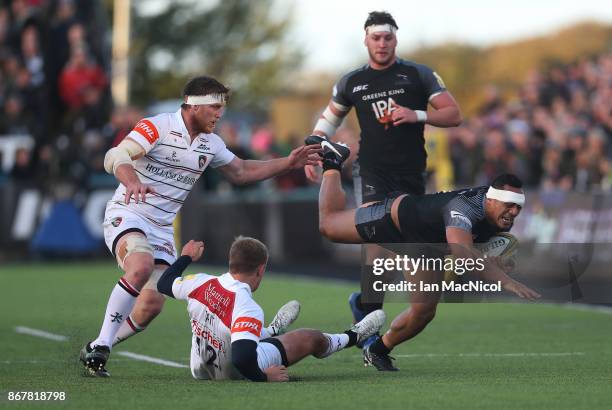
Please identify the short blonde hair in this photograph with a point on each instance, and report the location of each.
(246, 255)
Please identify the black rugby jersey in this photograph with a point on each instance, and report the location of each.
(425, 218)
(383, 145)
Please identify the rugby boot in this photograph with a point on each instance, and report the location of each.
(285, 316)
(94, 359)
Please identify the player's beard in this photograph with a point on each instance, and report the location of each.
(382, 61)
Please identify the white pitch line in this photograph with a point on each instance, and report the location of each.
(40, 333)
(150, 359)
(61, 338)
(517, 354)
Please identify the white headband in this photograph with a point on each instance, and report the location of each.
(207, 99)
(506, 196)
(375, 28)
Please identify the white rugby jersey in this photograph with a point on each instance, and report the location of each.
(171, 165)
(221, 310)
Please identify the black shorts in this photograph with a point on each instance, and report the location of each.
(374, 222)
(375, 225)
(375, 184)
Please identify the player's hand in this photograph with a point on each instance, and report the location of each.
(521, 290)
(193, 249)
(402, 115)
(138, 190)
(277, 374)
(304, 155)
(314, 173)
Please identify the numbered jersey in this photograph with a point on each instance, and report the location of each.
(171, 165)
(221, 310)
(384, 146)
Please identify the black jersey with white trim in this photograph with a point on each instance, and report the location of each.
(425, 218)
(385, 146)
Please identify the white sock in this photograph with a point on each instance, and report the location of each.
(266, 332)
(128, 329)
(120, 304)
(336, 342)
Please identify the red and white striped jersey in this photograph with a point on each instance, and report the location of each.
(221, 310)
(171, 165)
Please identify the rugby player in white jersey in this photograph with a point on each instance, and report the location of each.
(157, 165)
(228, 341)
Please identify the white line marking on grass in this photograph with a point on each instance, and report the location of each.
(61, 338)
(588, 308)
(150, 359)
(518, 354)
(40, 333)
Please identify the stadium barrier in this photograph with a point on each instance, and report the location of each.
(556, 229)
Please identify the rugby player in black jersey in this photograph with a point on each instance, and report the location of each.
(457, 218)
(390, 96)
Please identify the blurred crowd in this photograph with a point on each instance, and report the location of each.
(555, 133)
(54, 84)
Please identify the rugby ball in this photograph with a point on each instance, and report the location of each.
(502, 244)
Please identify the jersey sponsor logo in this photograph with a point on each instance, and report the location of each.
(361, 87)
(383, 110)
(247, 324)
(147, 130)
(205, 333)
(204, 147)
(116, 221)
(217, 299)
(173, 158)
(169, 174)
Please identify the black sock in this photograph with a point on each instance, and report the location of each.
(379, 347)
(352, 338)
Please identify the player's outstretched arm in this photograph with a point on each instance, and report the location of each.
(461, 244)
(241, 171)
(192, 251)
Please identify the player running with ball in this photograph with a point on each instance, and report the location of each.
(458, 218)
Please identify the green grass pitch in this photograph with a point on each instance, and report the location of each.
(472, 356)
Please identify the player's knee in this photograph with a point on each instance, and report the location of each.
(138, 273)
(318, 343)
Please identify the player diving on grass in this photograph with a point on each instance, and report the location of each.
(228, 340)
(457, 218)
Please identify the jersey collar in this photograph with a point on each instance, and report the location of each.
(227, 281)
(182, 128)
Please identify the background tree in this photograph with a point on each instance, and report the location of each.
(243, 43)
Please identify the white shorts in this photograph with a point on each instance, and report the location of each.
(267, 355)
(119, 220)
